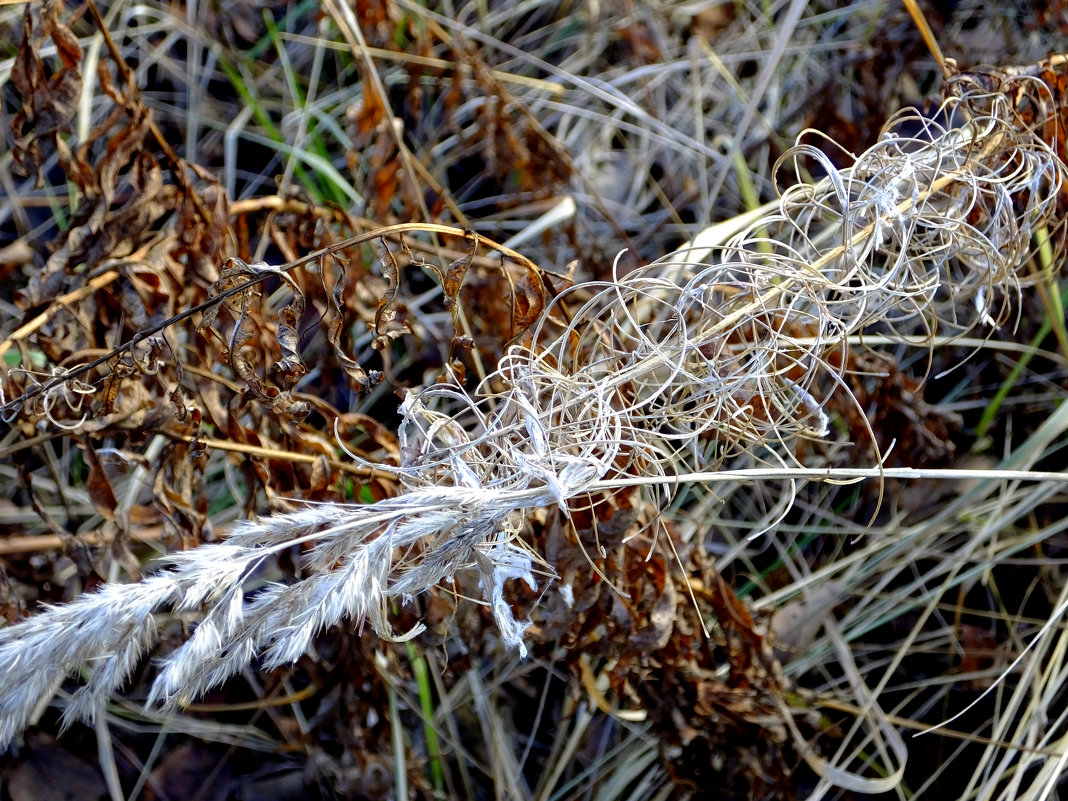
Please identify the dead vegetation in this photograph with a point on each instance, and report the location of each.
(234, 236)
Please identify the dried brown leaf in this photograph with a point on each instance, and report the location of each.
(135, 408)
(244, 371)
(360, 378)
(49, 94)
(386, 312)
(291, 367)
(454, 276)
(661, 624)
(178, 492)
(528, 302)
(98, 484)
(201, 243)
(371, 115)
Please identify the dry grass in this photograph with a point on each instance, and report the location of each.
(619, 523)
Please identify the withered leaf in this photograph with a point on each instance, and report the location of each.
(134, 408)
(528, 302)
(353, 425)
(391, 272)
(177, 395)
(351, 367)
(179, 494)
(49, 95)
(122, 193)
(657, 632)
(371, 115)
(242, 368)
(202, 241)
(208, 317)
(454, 276)
(384, 179)
(111, 391)
(747, 643)
(459, 373)
(234, 273)
(181, 411)
(291, 367)
(122, 146)
(98, 484)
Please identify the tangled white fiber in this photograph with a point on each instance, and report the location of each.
(678, 367)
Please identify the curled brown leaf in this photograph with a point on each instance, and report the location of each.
(49, 92)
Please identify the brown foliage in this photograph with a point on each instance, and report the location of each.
(49, 94)
(159, 350)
